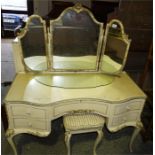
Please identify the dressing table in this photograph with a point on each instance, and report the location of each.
(72, 64)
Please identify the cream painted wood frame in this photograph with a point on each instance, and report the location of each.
(120, 103)
(31, 106)
(18, 54)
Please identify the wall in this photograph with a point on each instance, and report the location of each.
(137, 19)
(42, 7)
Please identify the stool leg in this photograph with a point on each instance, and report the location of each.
(98, 140)
(67, 141)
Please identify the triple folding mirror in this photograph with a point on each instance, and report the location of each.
(74, 42)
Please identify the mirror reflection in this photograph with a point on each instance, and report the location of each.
(116, 48)
(75, 41)
(33, 44)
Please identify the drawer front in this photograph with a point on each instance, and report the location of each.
(100, 107)
(130, 117)
(30, 111)
(128, 106)
(31, 124)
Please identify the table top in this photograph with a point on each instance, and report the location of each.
(25, 88)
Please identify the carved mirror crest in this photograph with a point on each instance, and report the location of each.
(76, 39)
(115, 48)
(33, 43)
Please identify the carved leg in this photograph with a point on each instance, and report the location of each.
(10, 134)
(134, 135)
(67, 141)
(98, 140)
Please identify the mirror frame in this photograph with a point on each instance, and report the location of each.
(77, 8)
(22, 34)
(100, 48)
(124, 38)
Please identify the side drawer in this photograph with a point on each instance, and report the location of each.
(100, 107)
(30, 111)
(136, 104)
(125, 118)
(31, 124)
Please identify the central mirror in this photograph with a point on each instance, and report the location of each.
(75, 40)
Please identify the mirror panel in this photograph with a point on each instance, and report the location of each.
(74, 81)
(75, 41)
(116, 46)
(33, 44)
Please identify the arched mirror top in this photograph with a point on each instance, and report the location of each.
(78, 9)
(32, 22)
(116, 28)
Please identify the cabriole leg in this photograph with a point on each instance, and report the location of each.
(134, 135)
(98, 140)
(10, 134)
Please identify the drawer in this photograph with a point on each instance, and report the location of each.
(130, 117)
(30, 111)
(99, 107)
(31, 124)
(128, 106)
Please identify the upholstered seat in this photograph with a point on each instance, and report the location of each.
(83, 123)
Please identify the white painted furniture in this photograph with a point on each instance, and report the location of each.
(77, 123)
(43, 90)
(31, 106)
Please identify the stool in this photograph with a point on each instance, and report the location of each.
(83, 123)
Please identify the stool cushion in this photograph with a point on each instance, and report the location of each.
(83, 121)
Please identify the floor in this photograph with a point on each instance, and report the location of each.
(112, 143)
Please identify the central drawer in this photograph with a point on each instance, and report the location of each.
(71, 106)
